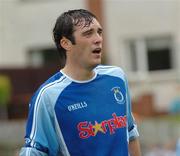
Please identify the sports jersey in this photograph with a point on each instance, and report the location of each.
(81, 118)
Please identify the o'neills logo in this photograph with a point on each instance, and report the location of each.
(87, 129)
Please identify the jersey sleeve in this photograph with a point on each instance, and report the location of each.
(41, 137)
(26, 151)
(132, 127)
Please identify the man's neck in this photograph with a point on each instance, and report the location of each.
(79, 74)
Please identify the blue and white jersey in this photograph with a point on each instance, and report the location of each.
(81, 118)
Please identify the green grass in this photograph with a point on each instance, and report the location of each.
(174, 118)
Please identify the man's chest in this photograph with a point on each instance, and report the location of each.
(102, 101)
(93, 112)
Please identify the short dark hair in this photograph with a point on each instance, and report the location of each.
(64, 26)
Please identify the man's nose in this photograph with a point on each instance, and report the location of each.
(98, 38)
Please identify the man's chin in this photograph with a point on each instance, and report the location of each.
(95, 65)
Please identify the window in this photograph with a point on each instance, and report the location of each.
(45, 56)
(159, 59)
(159, 51)
(149, 54)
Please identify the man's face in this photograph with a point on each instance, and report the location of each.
(86, 52)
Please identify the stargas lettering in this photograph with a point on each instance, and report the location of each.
(87, 129)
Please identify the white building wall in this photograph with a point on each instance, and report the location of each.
(137, 18)
(26, 24)
(178, 37)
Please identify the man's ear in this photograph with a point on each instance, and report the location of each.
(65, 43)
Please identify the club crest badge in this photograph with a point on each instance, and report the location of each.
(118, 95)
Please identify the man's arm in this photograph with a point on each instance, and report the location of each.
(134, 147)
(41, 138)
(133, 134)
(25, 151)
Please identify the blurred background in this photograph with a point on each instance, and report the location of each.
(141, 36)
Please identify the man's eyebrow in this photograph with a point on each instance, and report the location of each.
(90, 30)
(87, 31)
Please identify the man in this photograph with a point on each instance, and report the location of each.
(83, 110)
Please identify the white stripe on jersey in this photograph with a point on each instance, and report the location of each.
(34, 126)
(111, 70)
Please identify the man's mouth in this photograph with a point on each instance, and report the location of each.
(97, 51)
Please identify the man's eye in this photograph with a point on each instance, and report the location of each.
(100, 32)
(88, 33)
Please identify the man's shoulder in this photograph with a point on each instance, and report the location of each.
(110, 70)
(51, 80)
(50, 83)
(49, 90)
